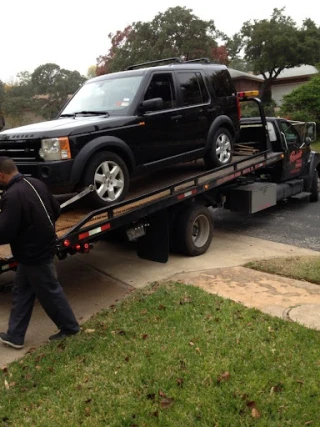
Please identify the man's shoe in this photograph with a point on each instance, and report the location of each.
(11, 341)
(62, 334)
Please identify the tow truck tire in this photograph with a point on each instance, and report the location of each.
(220, 153)
(314, 197)
(109, 173)
(194, 230)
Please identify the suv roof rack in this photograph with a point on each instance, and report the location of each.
(204, 60)
(159, 61)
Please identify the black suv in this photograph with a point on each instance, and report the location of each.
(122, 124)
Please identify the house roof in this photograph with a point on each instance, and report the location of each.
(302, 70)
(235, 74)
(287, 73)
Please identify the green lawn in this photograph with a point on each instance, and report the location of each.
(170, 355)
(316, 146)
(301, 268)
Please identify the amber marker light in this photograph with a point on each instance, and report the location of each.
(65, 148)
(247, 93)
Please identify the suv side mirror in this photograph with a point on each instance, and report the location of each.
(153, 104)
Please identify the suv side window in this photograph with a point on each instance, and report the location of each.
(192, 88)
(222, 83)
(290, 132)
(161, 86)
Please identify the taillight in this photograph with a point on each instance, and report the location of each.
(85, 248)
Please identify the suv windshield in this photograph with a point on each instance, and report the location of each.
(109, 95)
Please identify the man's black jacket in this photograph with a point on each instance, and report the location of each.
(24, 223)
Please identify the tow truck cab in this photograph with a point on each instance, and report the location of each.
(290, 137)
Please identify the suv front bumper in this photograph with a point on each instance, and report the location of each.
(56, 174)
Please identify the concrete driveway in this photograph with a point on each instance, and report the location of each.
(110, 271)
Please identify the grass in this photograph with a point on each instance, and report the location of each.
(170, 355)
(316, 146)
(301, 268)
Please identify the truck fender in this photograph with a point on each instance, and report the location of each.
(221, 121)
(110, 143)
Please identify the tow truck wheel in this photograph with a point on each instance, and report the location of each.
(109, 173)
(194, 230)
(220, 153)
(315, 187)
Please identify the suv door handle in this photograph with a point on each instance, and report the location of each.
(177, 117)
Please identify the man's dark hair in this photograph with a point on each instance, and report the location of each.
(7, 165)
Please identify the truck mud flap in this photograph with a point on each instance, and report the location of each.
(154, 245)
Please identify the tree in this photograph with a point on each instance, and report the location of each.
(43, 92)
(310, 45)
(234, 47)
(92, 71)
(303, 103)
(271, 45)
(16, 106)
(52, 85)
(174, 33)
(19, 98)
(24, 78)
(220, 54)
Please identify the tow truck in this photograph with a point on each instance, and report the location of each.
(170, 210)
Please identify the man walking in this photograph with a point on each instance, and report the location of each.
(27, 223)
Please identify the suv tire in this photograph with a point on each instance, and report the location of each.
(220, 153)
(109, 173)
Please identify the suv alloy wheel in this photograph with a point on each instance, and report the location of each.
(109, 173)
(220, 153)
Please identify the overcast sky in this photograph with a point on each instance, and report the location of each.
(73, 34)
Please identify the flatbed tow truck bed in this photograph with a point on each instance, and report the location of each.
(148, 195)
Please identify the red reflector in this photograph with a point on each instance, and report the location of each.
(78, 247)
(83, 235)
(105, 227)
(86, 246)
(66, 243)
(187, 194)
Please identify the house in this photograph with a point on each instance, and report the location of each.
(287, 80)
(245, 81)
(290, 79)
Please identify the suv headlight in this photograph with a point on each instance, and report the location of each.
(55, 149)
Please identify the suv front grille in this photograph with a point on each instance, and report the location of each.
(21, 150)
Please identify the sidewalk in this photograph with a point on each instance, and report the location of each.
(290, 299)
